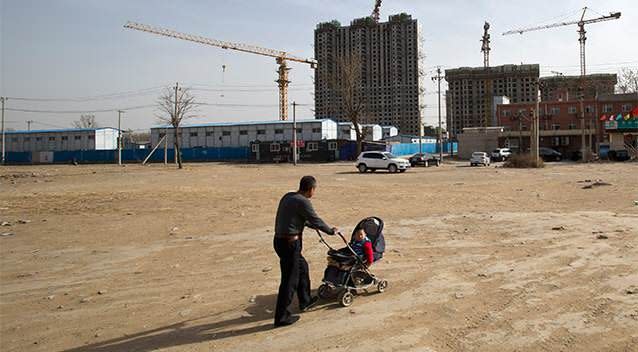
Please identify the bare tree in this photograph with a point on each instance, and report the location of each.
(176, 105)
(628, 80)
(347, 85)
(85, 121)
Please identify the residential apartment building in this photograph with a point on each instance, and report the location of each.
(390, 81)
(471, 92)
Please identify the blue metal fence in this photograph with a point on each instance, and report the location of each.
(400, 149)
(134, 155)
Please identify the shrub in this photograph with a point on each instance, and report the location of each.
(523, 161)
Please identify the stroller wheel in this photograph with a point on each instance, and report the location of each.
(346, 298)
(382, 285)
(323, 291)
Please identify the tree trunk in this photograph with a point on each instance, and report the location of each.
(359, 135)
(178, 152)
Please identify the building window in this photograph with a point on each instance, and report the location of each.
(243, 132)
(193, 134)
(556, 126)
(14, 139)
(161, 135)
(38, 139)
(564, 140)
(332, 145)
(588, 109)
(65, 138)
(254, 148)
(312, 146)
(555, 141)
(209, 133)
(316, 130)
(226, 133)
(506, 113)
(91, 137)
(299, 130)
(571, 109)
(608, 108)
(261, 131)
(51, 139)
(279, 131)
(626, 107)
(275, 147)
(555, 110)
(77, 138)
(572, 126)
(27, 139)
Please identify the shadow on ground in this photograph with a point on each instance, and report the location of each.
(183, 333)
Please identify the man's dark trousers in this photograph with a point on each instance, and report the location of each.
(294, 277)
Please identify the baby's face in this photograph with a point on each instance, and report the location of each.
(360, 235)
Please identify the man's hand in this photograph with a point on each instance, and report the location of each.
(335, 230)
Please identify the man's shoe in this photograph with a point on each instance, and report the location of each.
(313, 302)
(293, 319)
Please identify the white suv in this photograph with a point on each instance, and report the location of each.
(501, 154)
(480, 158)
(381, 160)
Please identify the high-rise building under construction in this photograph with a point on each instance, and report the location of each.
(469, 102)
(388, 55)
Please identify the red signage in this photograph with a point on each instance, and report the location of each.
(300, 144)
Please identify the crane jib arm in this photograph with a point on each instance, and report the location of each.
(611, 16)
(253, 49)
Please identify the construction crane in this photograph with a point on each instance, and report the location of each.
(485, 47)
(376, 13)
(581, 31)
(281, 57)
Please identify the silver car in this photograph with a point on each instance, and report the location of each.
(480, 158)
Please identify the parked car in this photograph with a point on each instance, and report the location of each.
(619, 155)
(501, 154)
(548, 154)
(424, 159)
(480, 158)
(381, 160)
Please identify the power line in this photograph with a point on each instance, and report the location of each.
(246, 89)
(79, 111)
(127, 94)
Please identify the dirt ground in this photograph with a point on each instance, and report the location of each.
(478, 259)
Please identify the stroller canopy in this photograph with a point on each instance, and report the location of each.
(373, 226)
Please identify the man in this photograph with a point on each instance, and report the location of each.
(295, 211)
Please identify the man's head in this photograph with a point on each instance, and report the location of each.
(307, 186)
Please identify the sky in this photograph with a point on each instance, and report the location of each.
(66, 57)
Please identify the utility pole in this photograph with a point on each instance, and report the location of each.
(294, 133)
(119, 137)
(420, 136)
(29, 122)
(535, 136)
(438, 78)
(3, 99)
(581, 98)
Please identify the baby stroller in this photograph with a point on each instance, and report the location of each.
(346, 273)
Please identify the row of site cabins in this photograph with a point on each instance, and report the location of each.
(212, 135)
(244, 133)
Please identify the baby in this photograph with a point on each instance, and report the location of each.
(362, 245)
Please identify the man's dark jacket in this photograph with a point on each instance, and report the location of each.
(295, 211)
